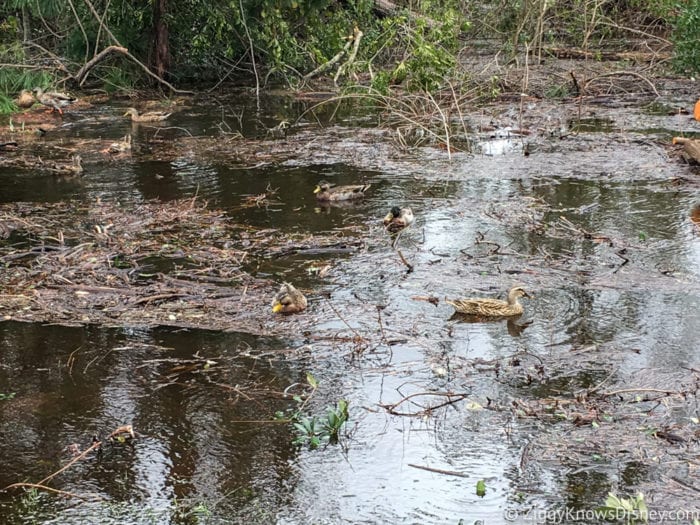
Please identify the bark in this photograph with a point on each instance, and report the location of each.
(161, 45)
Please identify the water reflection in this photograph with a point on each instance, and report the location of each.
(193, 442)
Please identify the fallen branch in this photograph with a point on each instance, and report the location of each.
(451, 399)
(356, 37)
(439, 470)
(49, 489)
(327, 65)
(646, 390)
(621, 74)
(81, 75)
(403, 260)
(96, 445)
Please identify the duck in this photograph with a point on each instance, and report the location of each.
(288, 300)
(121, 146)
(327, 193)
(25, 99)
(53, 99)
(151, 116)
(491, 307)
(74, 167)
(398, 219)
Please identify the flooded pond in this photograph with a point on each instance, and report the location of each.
(592, 390)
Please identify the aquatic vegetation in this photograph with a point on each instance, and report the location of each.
(628, 510)
(315, 430)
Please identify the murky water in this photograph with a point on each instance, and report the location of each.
(601, 237)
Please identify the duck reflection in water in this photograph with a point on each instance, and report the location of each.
(514, 328)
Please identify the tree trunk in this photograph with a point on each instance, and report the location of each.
(161, 45)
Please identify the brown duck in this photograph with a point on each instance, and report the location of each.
(150, 116)
(491, 307)
(288, 300)
(74, 167)
(54, 100)
(325, 192)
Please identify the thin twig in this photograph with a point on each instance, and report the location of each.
(439, 470)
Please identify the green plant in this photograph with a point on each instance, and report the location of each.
(628, 510)
(685, 37)
(7, 106)
(314, 430)
(557, 91)
(30, 501)
(5, 397)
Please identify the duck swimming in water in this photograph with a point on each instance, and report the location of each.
(150, 116)
(491, 307)
(288, 300)
(398, 219)
(325, 192)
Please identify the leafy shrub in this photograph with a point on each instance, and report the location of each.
(686, 35)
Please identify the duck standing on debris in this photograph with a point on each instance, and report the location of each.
(74, 167)
(53, 99)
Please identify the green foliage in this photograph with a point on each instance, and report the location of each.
(13, 80)
(5, 397)
(30, 501)
(314, 430)
(630, 511)
(7, 107)
(119, 79)
(557, 91)
(427, 49)
(685, 37)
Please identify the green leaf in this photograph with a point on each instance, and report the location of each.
(311, 380)
(480, 488)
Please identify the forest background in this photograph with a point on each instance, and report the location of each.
(376, 45)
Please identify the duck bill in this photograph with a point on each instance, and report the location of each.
(277, 308)
(317, 189)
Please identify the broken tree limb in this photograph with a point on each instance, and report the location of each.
(356, 37)
(82, 74)
(327, 65)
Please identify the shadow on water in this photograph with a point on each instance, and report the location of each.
(612, 261)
